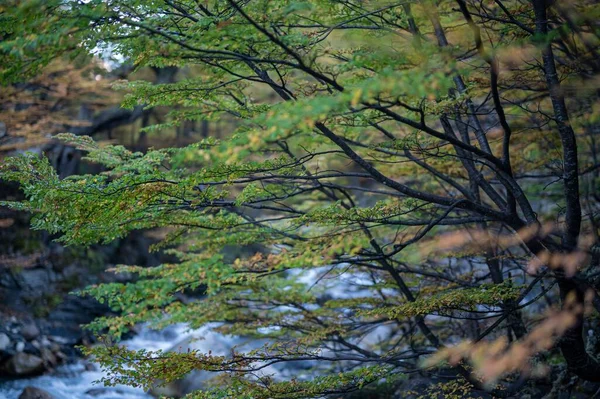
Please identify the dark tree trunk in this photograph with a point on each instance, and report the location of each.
(572, 343)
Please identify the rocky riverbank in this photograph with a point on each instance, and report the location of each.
(40, 321)
(25, 351)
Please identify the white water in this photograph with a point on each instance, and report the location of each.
(73, 381)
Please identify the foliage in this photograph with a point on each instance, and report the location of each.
(45, 105)
(364, 131)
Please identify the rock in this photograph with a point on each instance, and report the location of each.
(61, 356)
(65, 320)
(37, 280)
(103, 391)
(22, 364)
(2, 129)
(4, 341)
(30, 331)
(20, 346)
(48, 357)
(90, 366)
(35, 393)
(44, 341)
(32, 350)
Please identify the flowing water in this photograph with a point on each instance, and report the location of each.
(75, 382)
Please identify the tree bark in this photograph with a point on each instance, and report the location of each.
(572, 344)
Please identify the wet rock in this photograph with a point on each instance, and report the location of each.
(35, 393)
(90, 366)
(103, 391)
(4, 342)
(61, 356)
(48, 357)
(28, 347)
(65, 320)
(44, 341)
(37, 279)
(30, 331)
(22, 364)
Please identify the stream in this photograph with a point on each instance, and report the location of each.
(76, 381)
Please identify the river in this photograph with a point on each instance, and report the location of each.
(77, 381)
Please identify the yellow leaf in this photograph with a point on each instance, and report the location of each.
(356, 97)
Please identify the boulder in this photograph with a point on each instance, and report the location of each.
(64, 321)
(37, 279)
(90, 366)
(35, 393)
(4, 342)
(48, 357)
(104, 391)
(28, 347)
(20, 346)
(30, 331)
(23, 364)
